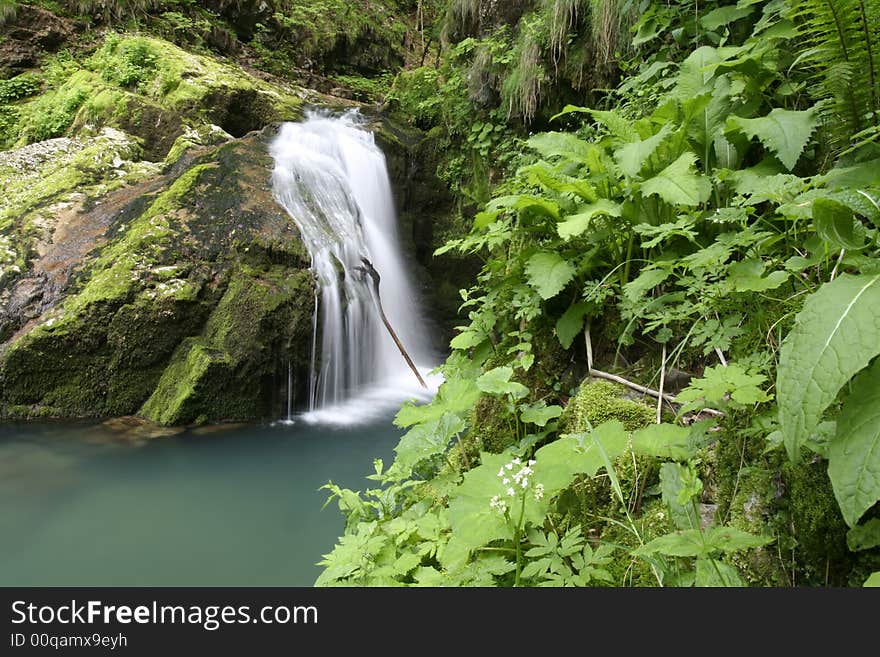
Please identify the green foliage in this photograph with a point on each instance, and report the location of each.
(854, 453)
(835, 336)
(839, 49)
(688, 230)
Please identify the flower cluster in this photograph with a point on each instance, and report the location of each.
(516, 475)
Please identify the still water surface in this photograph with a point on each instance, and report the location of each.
(80, 506)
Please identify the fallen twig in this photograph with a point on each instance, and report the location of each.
(599, 374)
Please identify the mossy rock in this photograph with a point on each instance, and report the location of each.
(203, 257)
(148, 88)
(602, 401)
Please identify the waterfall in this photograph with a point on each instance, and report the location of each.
(331, 179)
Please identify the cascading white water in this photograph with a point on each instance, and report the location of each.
(331, 178)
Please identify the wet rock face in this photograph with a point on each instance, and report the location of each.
(179, 297)
(27, 38)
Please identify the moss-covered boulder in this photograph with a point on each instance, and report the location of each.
(186, 300)
(144, 86)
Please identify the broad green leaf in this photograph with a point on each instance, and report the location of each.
(647, 280)
(539, 413)
(525, 202)
(685, 543)
(719, 382)
(569, 326)
(730, 539)
(547, 176)
(864, 537)
(835, 335)
(711, 572)
(748, 276)
(679, 183)
(426, 440)
(664, 441)
(474, 522)
(695, 73)
(721, 16)
(548, 273)
(572, 454)
(873, 580)
(497, 382)
(483, 219)
(560, 144)
(684, 516)
(631, 157)
(467, 339)
(708, 114)
(854, 453)
(785, 132)
(576, 224)
(455, 395)
(836, 225)
(619, 127)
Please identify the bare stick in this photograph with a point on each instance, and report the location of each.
(648, 391)
(369, 269)
(721, 357)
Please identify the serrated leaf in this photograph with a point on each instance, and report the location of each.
(854, 453)
(539, 413)
(684, 516)
(572, 454)
(695, 72)
(548, 273)
(721, 16)
(569, 326)
(864, 537)
(631, 157)
(647, 280)
(730, 539)
(835, 335)
(836, 225)
(785, 132)
(560, 144)
(467, 339)
(747, 276)
(455, 395)
(711, 572)
(619, 127)
(679, 183)
(553, 180)
(664, 441)
(718, 382)
(576, 224)
(426, 440)
(497, 382)
(685, 543)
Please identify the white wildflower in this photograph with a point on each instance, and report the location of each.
(498, 504)
(525, 482)
(505, 481)
(511, 492)
(501, 472)
(532, 462)
(539, 492)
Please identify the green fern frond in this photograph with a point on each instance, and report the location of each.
(841, 51)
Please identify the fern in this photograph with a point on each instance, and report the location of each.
(841, 49)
